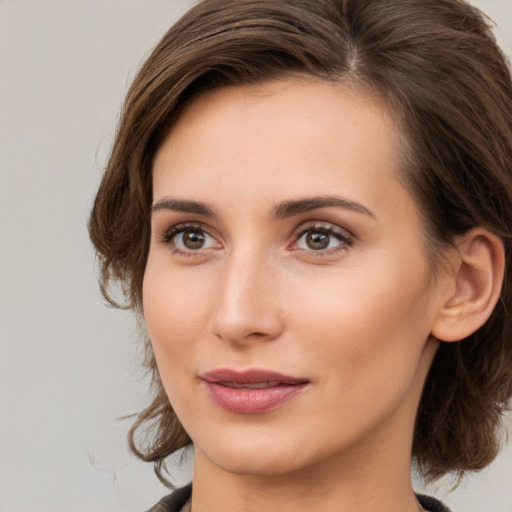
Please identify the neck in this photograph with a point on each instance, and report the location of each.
(369, 479)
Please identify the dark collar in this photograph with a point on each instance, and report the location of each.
(175, 501)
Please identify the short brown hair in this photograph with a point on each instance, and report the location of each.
(437, 65)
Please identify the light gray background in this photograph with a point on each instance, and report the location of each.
(67, 363)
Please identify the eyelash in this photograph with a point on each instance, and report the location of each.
(346, 239)
(168, 237)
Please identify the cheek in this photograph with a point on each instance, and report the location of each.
(175, 316)
(375, 316)
(176, 311)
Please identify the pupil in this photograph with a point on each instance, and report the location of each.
(193, 239)
(317, 241)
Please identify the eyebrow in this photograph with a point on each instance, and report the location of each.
(290, 208)
(281, 211)
(183, 205)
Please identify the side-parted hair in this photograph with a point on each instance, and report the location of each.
(437, 67)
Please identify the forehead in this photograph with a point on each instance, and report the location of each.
(292, 137)
(296, 106)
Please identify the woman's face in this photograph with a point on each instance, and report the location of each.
(287, 293)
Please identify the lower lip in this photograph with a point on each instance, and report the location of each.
(252, 401)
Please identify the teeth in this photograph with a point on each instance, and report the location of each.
(251, 385)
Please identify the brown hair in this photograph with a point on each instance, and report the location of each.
(437, 65)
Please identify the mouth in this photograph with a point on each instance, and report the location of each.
(251, 391)
(250, 385)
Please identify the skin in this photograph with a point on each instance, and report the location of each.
(353, 319)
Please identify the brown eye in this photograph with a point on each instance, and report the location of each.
(193, 239)
(188, 239)
(316, 240)
(319, 239)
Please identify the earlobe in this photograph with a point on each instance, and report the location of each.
(476, 278)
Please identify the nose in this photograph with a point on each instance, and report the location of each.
(247, 308)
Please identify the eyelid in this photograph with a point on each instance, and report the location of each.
(346, 238)
(166, 237)
(323, 226)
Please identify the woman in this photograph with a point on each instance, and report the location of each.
(308, 204)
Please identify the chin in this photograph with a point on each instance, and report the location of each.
(263, 454)
(254, 463)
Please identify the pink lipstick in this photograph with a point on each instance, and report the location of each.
(251, 391)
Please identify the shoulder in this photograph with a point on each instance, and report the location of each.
(174, 501)
(431, 504)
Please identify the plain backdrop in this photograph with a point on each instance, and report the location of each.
(68, 364)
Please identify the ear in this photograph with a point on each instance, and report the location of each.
(473, 285)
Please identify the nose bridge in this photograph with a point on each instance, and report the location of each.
(245, 309)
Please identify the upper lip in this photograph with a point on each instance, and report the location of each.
(252, 376)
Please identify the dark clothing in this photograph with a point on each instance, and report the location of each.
(175, 501)
(431, 504)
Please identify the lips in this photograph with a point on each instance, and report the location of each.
(251, 385)
(252, 391)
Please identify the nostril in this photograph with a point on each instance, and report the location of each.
(243, 329)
